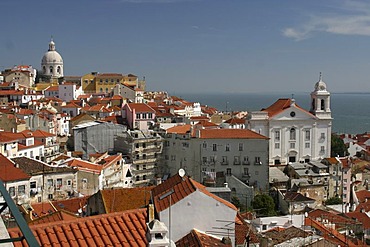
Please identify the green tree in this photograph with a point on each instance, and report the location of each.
(264, 205)
(235, 200)
(337, 146)
(333, 201)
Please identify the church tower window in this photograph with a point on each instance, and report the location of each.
(58, 69)
(292, 134)
(322, 104)
(51, 69)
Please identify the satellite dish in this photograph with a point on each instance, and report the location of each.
(181, 172)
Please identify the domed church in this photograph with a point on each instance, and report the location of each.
(52, 62)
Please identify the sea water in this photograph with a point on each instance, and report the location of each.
(350, 111)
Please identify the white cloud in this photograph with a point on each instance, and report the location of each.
(352, 19)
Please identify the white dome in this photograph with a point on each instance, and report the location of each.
(52, 57)
(320, 85)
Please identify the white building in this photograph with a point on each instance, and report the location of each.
(184, 204)
(296, 135)
(52, 62)
(69, 91)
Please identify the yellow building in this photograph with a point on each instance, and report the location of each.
(88, 82)
(106, 82)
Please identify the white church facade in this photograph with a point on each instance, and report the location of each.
(296, 135)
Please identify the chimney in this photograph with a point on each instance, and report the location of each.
(151, 212)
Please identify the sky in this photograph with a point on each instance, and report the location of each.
(198, 46)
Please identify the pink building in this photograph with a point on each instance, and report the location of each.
(138, 115)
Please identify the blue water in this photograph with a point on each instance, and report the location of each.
(350, 111)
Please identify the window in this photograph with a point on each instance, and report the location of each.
(51, 69)
(228, 171)
(322, 104)
(50, 183)
(307, 145)
(322, 136)
(214, 147)
(212, 158)
(307, 136)
(173, 157)
(21, 189)
(137, 178)
(144, 115)
(246, 171)
(59, 183)
(292, 134)
(224, 160)
(204, 145)
(236, 160)
(137, 115)
(277, 135)
(227, 148)
(322, 149)
(204, 159)
(277, 145)
(58, 69)
(150, 115)
(292, 145)
(245, 160)
(50, 196)
(264, 227)
(33, 185)
(12, 191)
(257, 160)
(69, 182)
(241, 146)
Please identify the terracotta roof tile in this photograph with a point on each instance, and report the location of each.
(117, 229)
(362, 217)
(179, 129)
(8, 171)
(140, 107)
(229, 134)
(182, 187)
(121, 199)
(363, 195)
(279, 106)
(198, 239)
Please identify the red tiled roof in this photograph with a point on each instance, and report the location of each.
(52, 88)
(244, 230)
(198, 239)
(122, 199)
(179, 129)
(53, 217)
(140, 107)
(229, 134)
(182, 187)
(363, 195)
(85, 166)
(71, 105)
(362, 217)
(8, 171)
(233, 121)
(279, 106)
(117, 229)
(205, 123)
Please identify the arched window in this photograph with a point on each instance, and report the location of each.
(44, 70)
(322, 104)
(292, 134)
(51, 69)
(58, 69)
